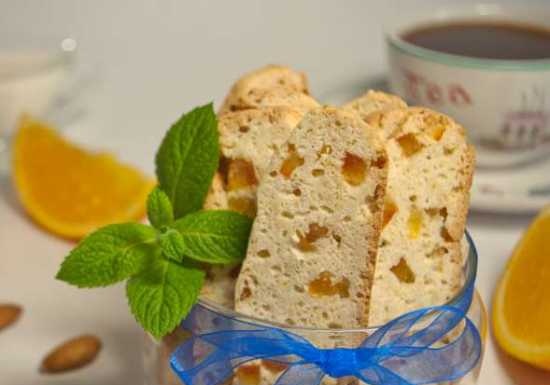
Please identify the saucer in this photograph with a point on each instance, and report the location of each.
(519, 190)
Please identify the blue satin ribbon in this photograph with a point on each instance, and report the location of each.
(398, 353)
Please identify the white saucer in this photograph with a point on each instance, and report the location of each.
(518, 190)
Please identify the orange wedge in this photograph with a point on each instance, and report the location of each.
(521, 304)
(70, 191)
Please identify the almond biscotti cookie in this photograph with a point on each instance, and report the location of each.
(420, 257)
(312, 250)
(269, 77)
(248, 140)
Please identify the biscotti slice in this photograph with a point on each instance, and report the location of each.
(312, 249)
(265, 78)
(420, 257)
(371, 105)
(248, 140)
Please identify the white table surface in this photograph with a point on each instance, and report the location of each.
(152, 61)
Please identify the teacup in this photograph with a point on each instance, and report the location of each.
(504, 103)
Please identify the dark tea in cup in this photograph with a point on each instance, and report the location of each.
(489, 40)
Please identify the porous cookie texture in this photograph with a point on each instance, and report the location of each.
(371, 105)
(243, 93)
(312, 250)
(420, 257)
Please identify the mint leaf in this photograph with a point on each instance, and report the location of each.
(216, 236)
(171, 244)
(159, 208)
(187, 159)
(109, 255)
(163, 294)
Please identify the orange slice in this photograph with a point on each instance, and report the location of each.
(70, 191)
(521, 304)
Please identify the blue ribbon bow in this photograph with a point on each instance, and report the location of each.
(398, 353)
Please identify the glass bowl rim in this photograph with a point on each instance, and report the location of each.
(470, 269)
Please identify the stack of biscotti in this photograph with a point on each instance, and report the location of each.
(419, 257)
(359, 210)
(428, 153)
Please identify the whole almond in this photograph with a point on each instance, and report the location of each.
(72, 354)
(9, 313)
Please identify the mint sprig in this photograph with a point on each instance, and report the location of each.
(163, 262)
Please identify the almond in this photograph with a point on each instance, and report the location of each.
(72, 354)
(9, 313)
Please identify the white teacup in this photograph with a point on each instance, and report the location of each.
(504, 104)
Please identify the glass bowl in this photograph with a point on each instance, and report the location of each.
(157, 353)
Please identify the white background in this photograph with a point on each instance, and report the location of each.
(151, 61)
